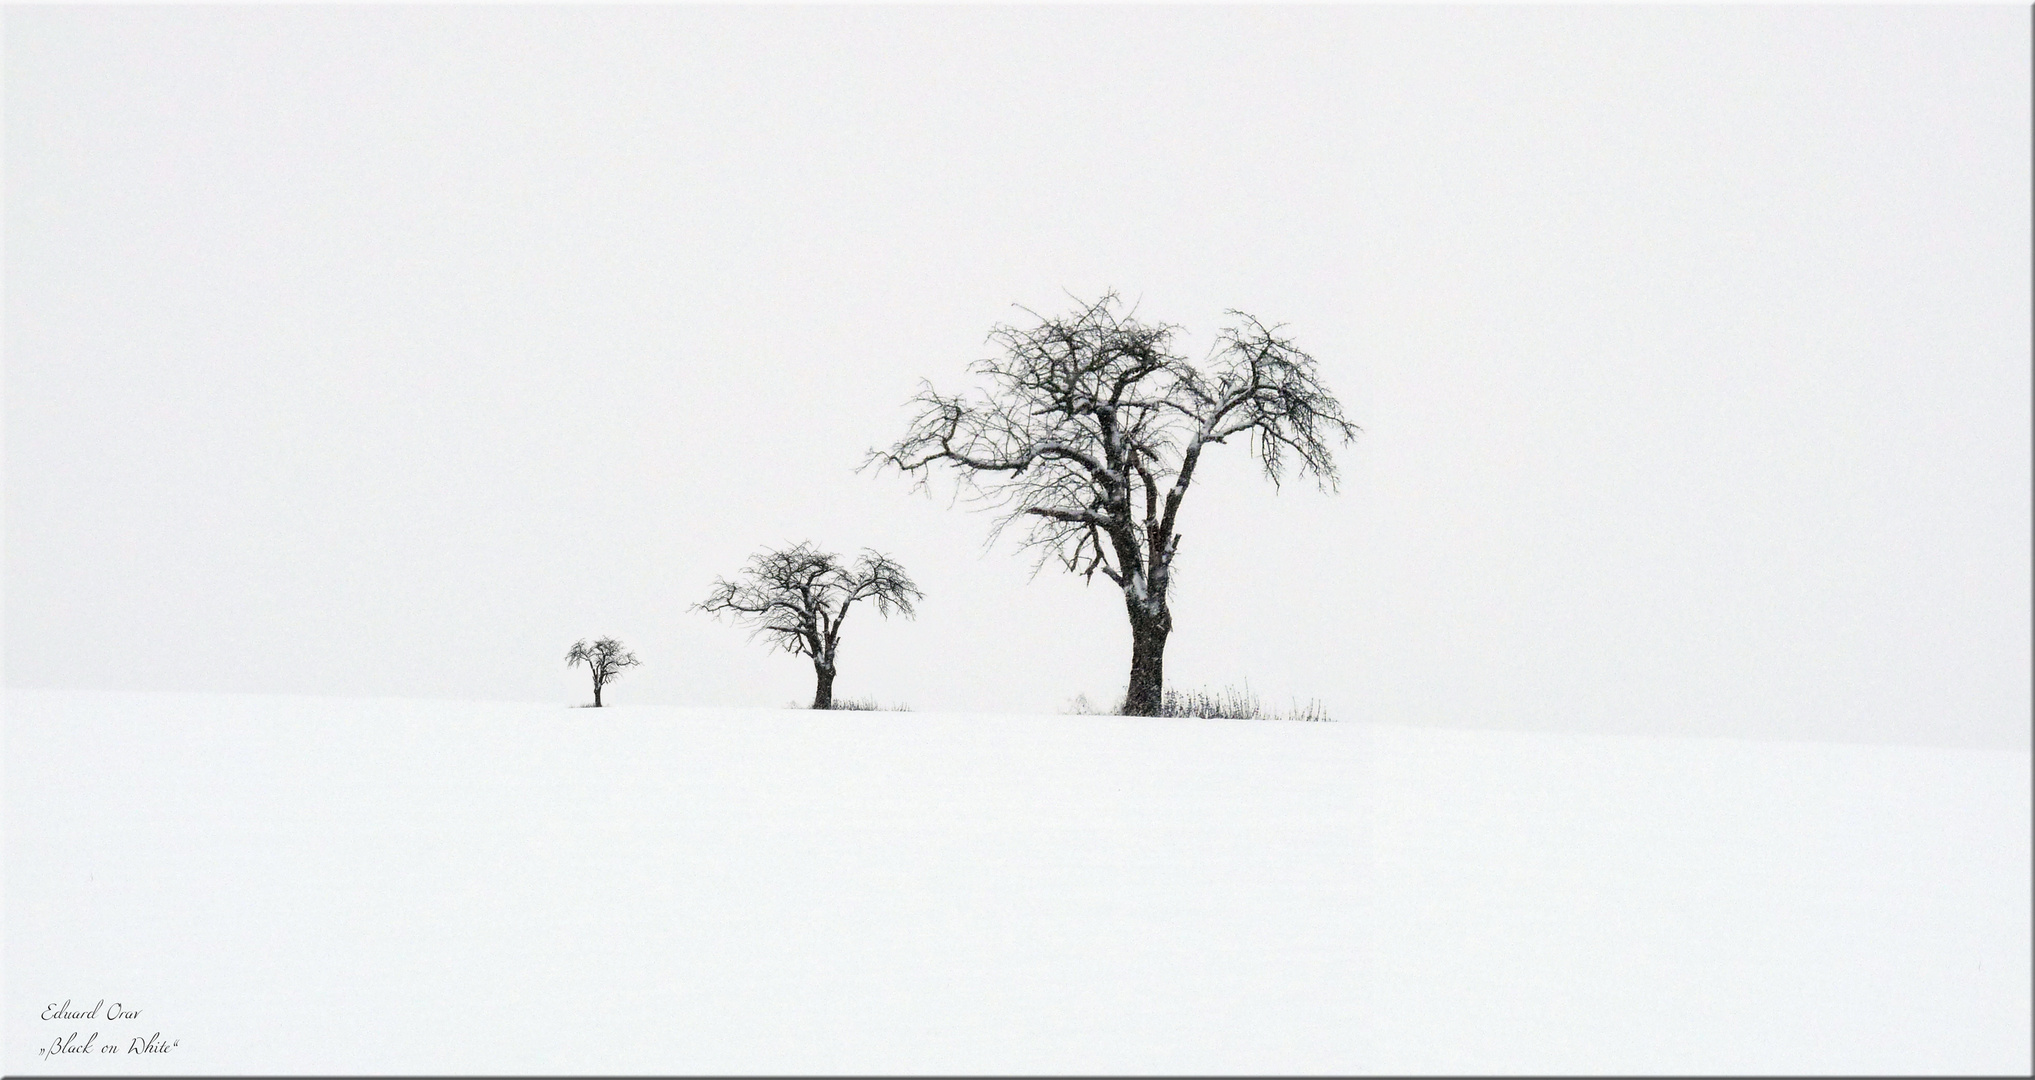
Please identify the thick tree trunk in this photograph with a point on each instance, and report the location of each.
(597, 693)
(1148, 663)
(823, 695)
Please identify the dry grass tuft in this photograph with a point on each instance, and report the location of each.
(867, 704)
(1229, 703)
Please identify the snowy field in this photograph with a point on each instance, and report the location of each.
(363, 886)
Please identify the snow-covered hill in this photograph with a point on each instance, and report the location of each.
(295, 884)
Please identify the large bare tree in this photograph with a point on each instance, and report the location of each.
(1090, 428)
(606, 658)
(799, 597)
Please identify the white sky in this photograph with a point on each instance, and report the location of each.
(386, 351)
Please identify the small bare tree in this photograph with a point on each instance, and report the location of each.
(800, 596)
(1091, 428)
(606, 658)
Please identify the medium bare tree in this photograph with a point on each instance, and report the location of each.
(1090, 429)
(606, 658)
(799, 597)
